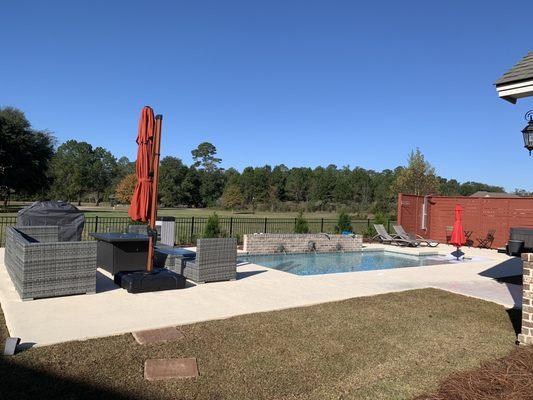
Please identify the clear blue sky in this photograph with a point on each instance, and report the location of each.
(303, 83)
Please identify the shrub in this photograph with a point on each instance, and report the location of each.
(344, 223)
(301, 225)
(380, 219)
(212, 227)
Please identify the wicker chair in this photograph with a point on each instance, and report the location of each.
(216, 260)
(41, 266)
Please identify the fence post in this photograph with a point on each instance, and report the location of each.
(322, 225)
(388, 225)
(265, 228)
(192, 228)
(96, 224)
(230, 226)
(368, 223)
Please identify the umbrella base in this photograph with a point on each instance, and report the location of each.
(155, 281)
(457, 253)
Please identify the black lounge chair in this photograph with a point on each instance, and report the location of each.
(400, 232)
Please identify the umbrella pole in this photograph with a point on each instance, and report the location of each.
(155, 177)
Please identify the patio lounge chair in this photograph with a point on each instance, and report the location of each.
(384, 237)
(41, 266)
(404, 235)
(486, 242)
(216, 260)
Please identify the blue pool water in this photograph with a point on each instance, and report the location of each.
(329, 263)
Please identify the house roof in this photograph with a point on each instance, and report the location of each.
(518, 81)
(523, 70)
(483, 193)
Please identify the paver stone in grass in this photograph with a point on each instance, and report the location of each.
(174, 368)
(157, 335)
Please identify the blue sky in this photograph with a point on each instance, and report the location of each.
(303, 83)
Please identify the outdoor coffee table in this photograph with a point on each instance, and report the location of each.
(121, 252)
(172, 258)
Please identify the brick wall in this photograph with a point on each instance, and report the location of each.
(299, 243)
(480, 214)
(526, 336)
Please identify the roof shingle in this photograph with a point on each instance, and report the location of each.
(522, 71)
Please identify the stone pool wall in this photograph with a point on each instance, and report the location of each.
(264, 243)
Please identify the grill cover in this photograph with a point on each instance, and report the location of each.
(55, 213)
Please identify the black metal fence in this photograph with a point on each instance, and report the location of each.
(190, 228)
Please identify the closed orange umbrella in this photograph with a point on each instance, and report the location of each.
(458, 233)
(142, 197)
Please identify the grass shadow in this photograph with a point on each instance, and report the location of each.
(21, 382)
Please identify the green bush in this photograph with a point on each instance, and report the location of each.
(344, 223)
(212, 227)
(380, 219)
(301, 225)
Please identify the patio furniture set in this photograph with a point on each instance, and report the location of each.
(484, 242)
(51, 260)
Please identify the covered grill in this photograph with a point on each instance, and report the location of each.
(54, 213)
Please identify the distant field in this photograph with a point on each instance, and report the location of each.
(204, 212)
(122, 211)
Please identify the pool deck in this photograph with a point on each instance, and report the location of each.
(113, 311)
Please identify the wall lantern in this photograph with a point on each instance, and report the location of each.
(528, 131)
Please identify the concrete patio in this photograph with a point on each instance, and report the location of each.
(113, 311)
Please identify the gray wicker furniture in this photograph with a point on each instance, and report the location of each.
(216, 260)
(140, 229)
(41, 266)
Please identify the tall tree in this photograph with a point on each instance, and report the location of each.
(103, 171)
(172, 172)
(125, 188)
(72, 169)
(190, 188)
(204, 157)
(232, 197)
(298, 183)
(418, 177)
(25, 155)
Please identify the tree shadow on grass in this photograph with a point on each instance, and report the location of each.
(21, 383)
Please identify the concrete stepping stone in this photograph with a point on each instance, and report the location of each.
(174, 368)
(157, 335)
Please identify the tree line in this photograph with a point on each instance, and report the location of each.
(33, 167)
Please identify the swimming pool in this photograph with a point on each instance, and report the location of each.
(330, 263)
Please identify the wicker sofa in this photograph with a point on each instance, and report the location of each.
(216, 260)
(41, 266)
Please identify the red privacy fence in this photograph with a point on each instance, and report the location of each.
(430, 216)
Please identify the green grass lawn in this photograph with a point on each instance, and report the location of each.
(393, 346)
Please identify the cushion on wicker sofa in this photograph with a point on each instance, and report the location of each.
(41, 266)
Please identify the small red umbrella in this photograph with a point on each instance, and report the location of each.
(141, 200)
(458, 233)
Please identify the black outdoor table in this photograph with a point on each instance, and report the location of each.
(121, 252)
(172, 257)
